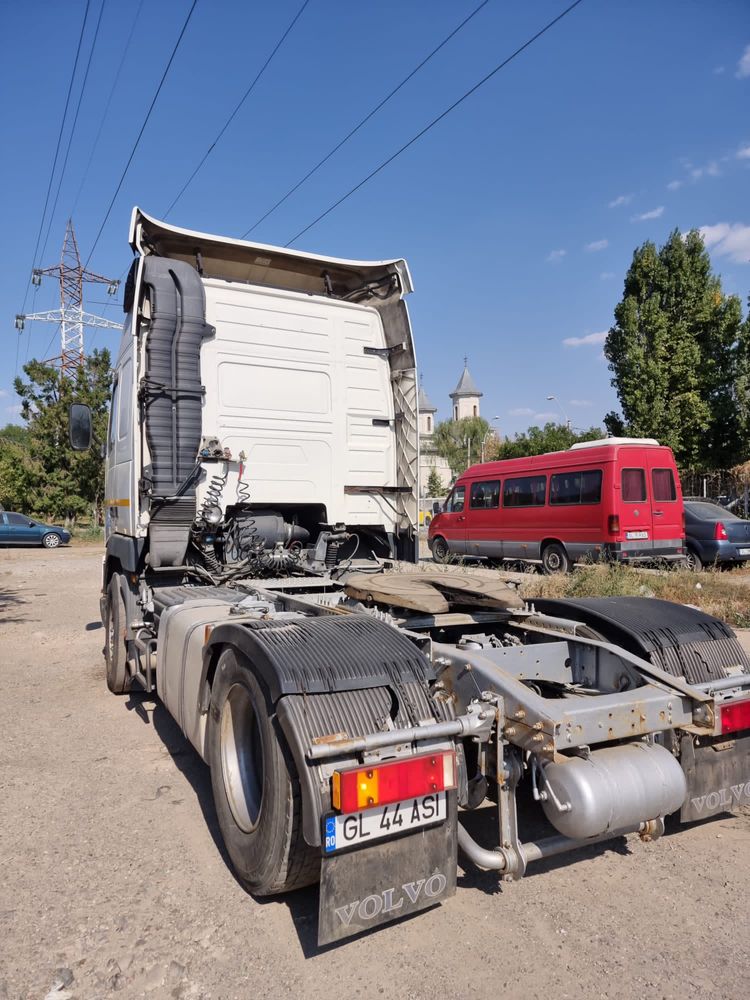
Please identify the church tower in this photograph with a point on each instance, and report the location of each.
(466, 396)
(426, 413)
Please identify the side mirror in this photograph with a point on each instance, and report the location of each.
(79, 426)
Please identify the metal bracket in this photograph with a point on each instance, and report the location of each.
(477, 722)
(384, 352)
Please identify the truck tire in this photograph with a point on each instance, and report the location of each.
(115, 648)
(255, 785)
(555, 559)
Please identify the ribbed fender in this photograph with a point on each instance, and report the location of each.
(682, 641)
(319, 655)
(327, 675)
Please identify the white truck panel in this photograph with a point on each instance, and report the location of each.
(288, 382)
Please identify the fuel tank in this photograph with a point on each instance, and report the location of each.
(611, 789)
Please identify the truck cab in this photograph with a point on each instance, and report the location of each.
(261, 397)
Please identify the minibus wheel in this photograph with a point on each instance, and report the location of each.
(439, 549)
(555, 559)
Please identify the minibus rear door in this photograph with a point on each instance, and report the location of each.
(666, 506)
(636, 520)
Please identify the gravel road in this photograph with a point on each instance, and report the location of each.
(114, 878)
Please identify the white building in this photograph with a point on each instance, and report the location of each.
(465, 399)
(428, 457)
(466, 396)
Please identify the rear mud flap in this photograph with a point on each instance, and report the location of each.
(718, 777)
(369, 886)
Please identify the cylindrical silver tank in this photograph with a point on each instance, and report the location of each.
(613, 788)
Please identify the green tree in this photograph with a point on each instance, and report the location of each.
(435, 487)
(539, 440)
(460, 441)
(16, 470)
(676, 352)
(64, 483)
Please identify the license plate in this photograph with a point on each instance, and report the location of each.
(383, 821)
(745, 552)
(636, 534)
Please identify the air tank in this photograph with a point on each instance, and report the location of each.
(612, 789)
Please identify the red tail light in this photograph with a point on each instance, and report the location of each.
(735, 716)
(613, 526)
(720, 533)
(365, 787)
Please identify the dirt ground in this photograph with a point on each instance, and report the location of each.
(114, 878)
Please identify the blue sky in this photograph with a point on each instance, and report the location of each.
(518, 213)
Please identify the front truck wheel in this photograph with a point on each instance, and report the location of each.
(115, 647)
(255, 785)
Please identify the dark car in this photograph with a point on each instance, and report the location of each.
(19, 529)
(714, 535)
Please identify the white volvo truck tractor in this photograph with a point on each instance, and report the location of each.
(261, 518)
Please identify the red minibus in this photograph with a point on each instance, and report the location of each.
(618, 498)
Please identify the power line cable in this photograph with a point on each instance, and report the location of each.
(73, 127)
(57, 151)
(364, 121)
(242, 100)
(51, 341)
(439, 118)
(107, 106)
(142, 130)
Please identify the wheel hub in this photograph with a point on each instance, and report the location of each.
(241, 758)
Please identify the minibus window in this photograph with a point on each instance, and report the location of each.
(576, 487)
(485, 496)
(662, 484)
(633, 485)
(455, 502)
(526, 491)
(591, 486)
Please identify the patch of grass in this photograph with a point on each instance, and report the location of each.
(86, 534)
(712, 591)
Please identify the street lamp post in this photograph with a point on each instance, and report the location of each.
(490, 430)
(565, 416)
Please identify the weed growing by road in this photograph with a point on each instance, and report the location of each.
(713, 592)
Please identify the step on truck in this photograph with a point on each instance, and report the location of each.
(260, 577)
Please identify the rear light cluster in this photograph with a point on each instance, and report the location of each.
(366, 787)
(613, 524)
(735, 716)
(720, 532)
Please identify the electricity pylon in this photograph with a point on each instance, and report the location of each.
(70, 315)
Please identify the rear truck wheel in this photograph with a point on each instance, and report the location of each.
(440, 549)
(555, 559)
(255, 785)
(693, 561)
(115, 648)
(50, 540)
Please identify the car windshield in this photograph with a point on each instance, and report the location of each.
(710, 512)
